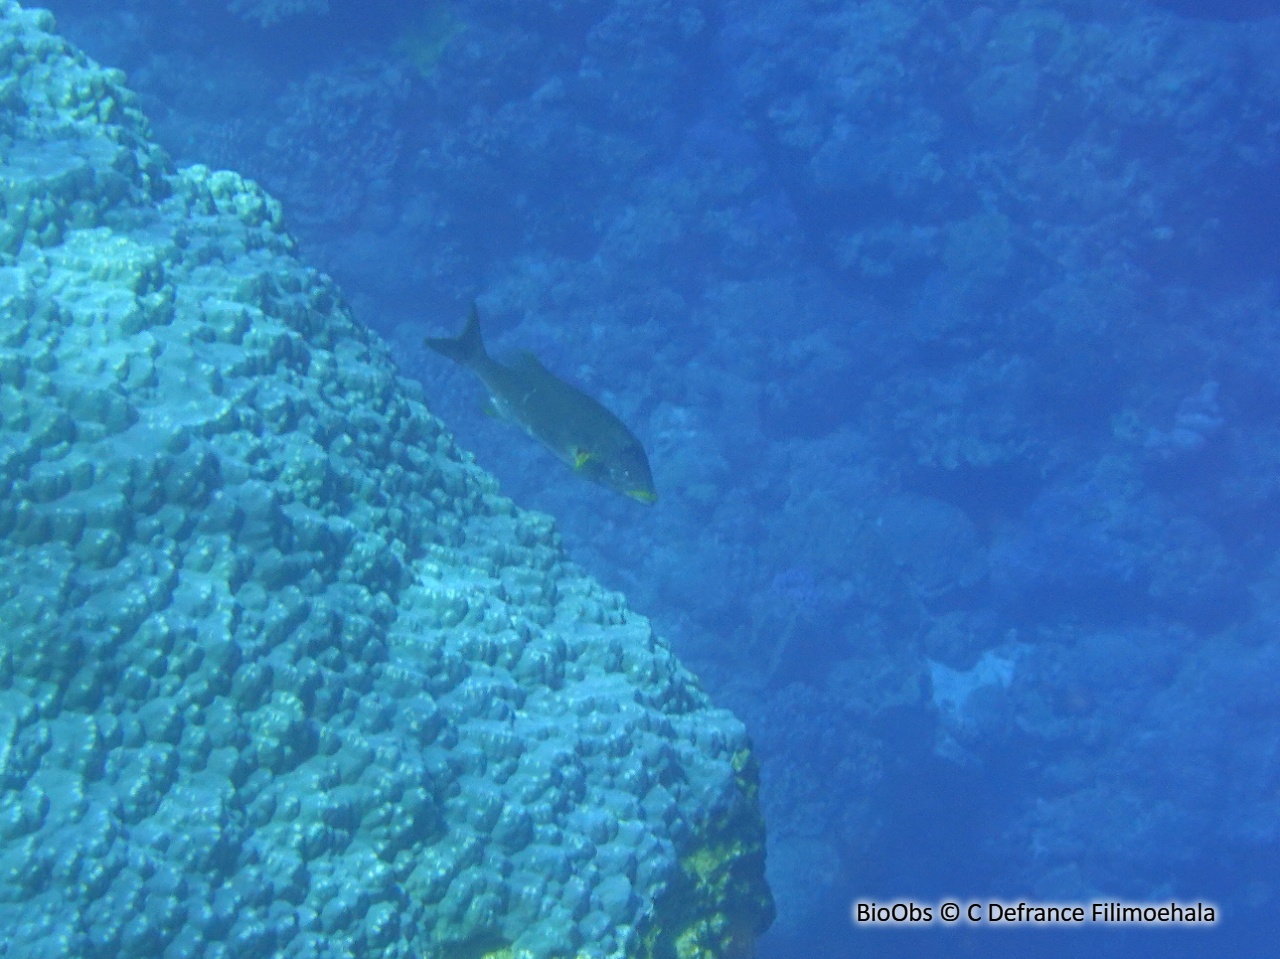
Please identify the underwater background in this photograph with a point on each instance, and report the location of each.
(952, 331)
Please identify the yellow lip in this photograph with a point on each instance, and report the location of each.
(643, 495)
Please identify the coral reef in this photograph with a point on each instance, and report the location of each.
(283, 674)
(268, 12)
(954, 330)
(334, 153)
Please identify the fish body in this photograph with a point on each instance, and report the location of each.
(576, 428)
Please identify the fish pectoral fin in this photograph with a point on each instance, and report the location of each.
(581, 458)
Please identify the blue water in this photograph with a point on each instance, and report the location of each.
(952, 331)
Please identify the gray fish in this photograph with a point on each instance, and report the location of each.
(594, 442)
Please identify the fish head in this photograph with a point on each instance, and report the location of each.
(624, 470)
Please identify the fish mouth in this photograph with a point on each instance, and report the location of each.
(643, 495)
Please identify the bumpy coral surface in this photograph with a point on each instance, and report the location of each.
(282, 673)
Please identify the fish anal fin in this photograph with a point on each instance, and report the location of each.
(498, 410)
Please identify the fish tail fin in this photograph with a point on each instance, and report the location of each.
(467, 347)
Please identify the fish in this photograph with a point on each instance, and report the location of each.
(576, 428)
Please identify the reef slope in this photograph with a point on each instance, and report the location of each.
(281, 673)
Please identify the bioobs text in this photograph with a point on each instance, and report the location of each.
(892, 912)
